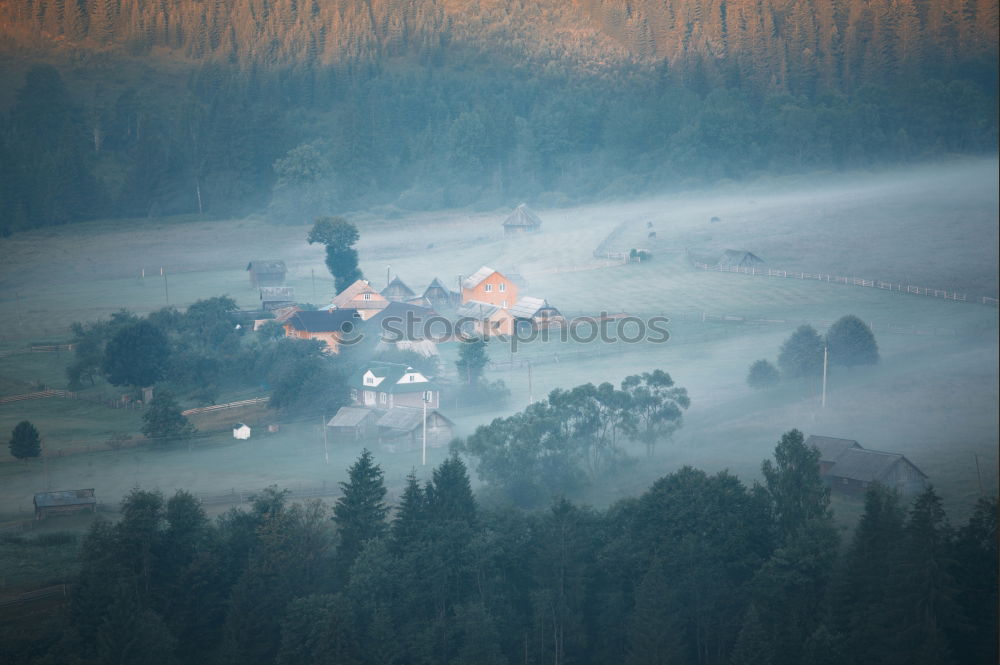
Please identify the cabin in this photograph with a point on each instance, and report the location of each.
(438, 296)
(522, 220)
(381, 385)
(398, 291)
(332, 327)
(352, 423)
(849, 468)
(270, 272)
(733, 258)
(241, 431)
(276, 297)
(484, 319)
(403, 321)
(362, 297)
(535, 313)
(402, 429)
(489, 286)
(65, 502)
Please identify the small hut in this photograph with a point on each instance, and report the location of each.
(397, 291)
(276, 297)
(353, 423)
(733, 258)
(241, 431)
(64, 502)
(401, 429)
(522, 220)
(847, 467)
(270, 272)
(535, 313)
(438, 296)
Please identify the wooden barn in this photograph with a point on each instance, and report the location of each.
(734, 258)
(65, 502)
(489, 286)
(438, 296)
(330, 326)
(362, 297)
(398, 291)
(353, 423)
(401, 321)
(401, 429)
(536, 313)
(522, 220)
(270, 272)
(276, 297)
(848, 467)
(484, 319)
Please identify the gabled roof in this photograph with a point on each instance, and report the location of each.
(407, 419)
(475, 309)
(397, 286)
(334, 320)
(830, 448)
(267, 266)
(735, 257)
(867, 465)
(345, 297)
(527, 307)
(476, 278)
(277, 294)
(390, 373)
(436, 284)
(399, 313)
(523, 216)
(65, 498)
(350, 416)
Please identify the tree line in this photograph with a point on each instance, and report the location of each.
(700, 568)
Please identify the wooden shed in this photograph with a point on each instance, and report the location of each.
(734, 258)
(397, 291)
(848, 467)
(522, 220)
(401, 429)
(276, 297)
(353, 423)
(438, 296)
(535, 313)
(64, 502)
(268, 272)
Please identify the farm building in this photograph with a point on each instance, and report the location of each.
(489, 286)
(402, 321)
(241, 431)
(380, 385)
(362, 297)
(484, 319)
(267, 273)
(330, 326)
(536, 313)
(733, 258)
(437, 295)
(276, 297)
(64, 502)
(402, 429)
(398, 291)
(522, 220)
(352, 423)
(848, 467)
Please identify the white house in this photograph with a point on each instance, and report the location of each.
(241, 431)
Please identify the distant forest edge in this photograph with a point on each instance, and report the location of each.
(307, 107)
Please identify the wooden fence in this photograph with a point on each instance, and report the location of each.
(60, 591)
(245, 495)
(850, 281)
(222, 407)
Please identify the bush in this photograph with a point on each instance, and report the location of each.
(763, 374)
(851, 342)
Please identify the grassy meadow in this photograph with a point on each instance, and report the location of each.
(932, 398)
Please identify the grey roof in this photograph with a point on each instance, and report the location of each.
(391, 374)
(406, 419)
(475, 309)
(350, 416)
(436, 284)
(734, 257)
(473, 280)
(830, 448)
(523, 216)
(397, 286)
(267, 266)
(277, 294)
(333, 320)
(867, 465)
(65, 498)
(527, 307)
(400, 314)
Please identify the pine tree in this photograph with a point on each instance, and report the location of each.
(360, 513)
(655, 634)
(25, 441)
(410, 520)
(752, 645)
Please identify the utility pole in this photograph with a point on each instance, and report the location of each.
(326, 445)
(166, 290)
(423, 451)
(979, 474)
(387, 269)
(825, 357)
(530, 400)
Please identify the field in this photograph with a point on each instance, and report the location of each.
(933, 397)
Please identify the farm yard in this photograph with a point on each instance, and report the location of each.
(932, 397)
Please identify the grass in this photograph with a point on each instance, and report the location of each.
(933, 398)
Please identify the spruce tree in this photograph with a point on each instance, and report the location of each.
(25, 441)
(360, 513)
(752, 645)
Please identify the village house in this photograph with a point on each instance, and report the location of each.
(438, 296)
(522, 220)
(484, 319)
(402, 429)
(362, 297)
(352, 423)
(408, 328)
(269, 272)
(328, 326)
(535, 313)
(276, 297)
(64, 502)
(380, 385)
(398, 291)
(487, 285)
(848, 467)
(733, 258)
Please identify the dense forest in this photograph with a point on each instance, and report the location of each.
(699, 569)
(299, 107)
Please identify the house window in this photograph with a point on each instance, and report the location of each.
(504, 303)
(428, 396)
(489, 287)
(369, 380)
(368, 296)
(503, 287)
(412, 377)
(382, 398)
